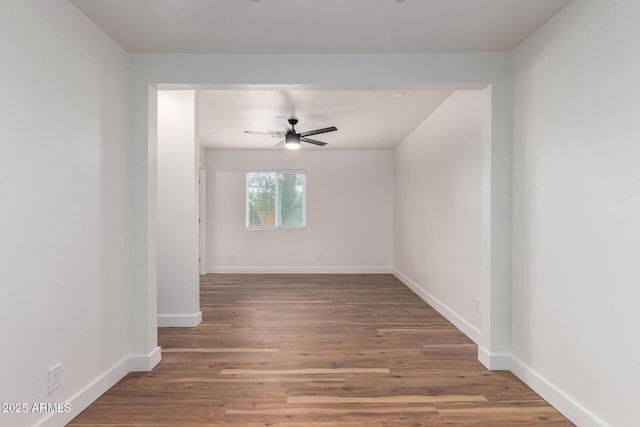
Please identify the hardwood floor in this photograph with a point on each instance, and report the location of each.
(317, 351)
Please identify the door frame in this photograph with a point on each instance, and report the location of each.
(202, 215)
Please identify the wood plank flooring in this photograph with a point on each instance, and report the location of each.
(317, 351)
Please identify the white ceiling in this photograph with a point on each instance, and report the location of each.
(319, 26)
(366, 119)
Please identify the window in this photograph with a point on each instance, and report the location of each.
(276, 199)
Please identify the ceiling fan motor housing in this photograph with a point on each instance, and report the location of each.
(292, 138)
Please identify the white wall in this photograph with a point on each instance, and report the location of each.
(202, 157)
(64, 221)
(349, 213)
(438, 209)
(577, 205)
(178, 275)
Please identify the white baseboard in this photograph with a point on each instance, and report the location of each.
(85, 397)
(469, 330)
(494, 362)
(298, 270)
(145, 363)
(179, 320)
(571, 409)
(89, 394)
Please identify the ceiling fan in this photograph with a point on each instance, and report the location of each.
(292, 138)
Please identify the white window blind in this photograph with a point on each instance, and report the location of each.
(276, 199)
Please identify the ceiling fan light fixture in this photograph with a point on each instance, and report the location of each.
(292, 141)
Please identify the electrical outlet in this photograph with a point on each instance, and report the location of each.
(55, 377)
(477, 301)
(318, 256)
(232, 256)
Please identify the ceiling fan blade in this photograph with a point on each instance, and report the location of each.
(312, 141)
(280, 144)
(271, 132)
(317, 131)
(283, 121)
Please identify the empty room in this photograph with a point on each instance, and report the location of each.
(299, 213)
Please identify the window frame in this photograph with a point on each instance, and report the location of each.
(277, 195)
